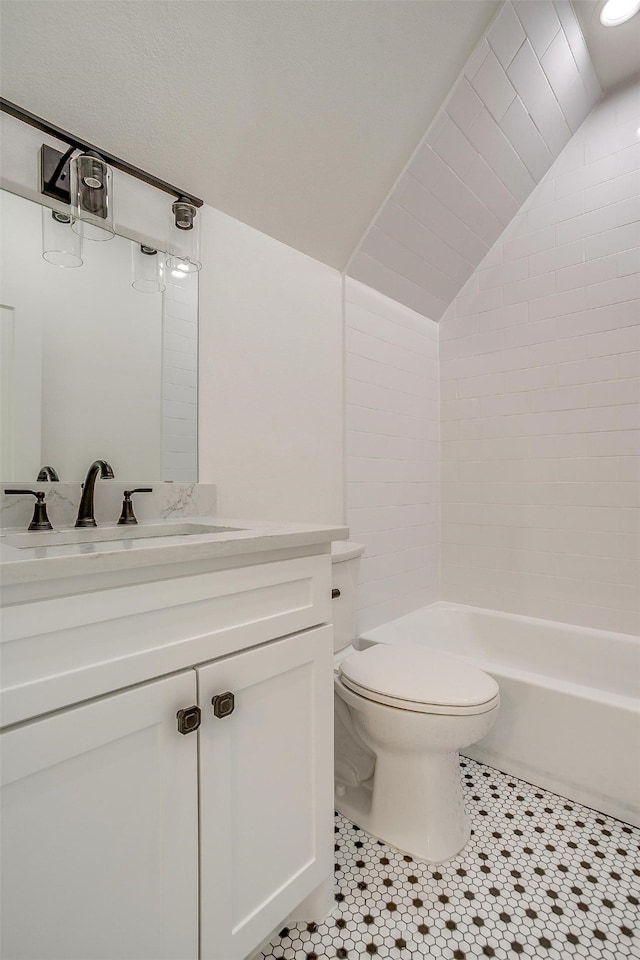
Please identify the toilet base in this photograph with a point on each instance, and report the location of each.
(415, 806)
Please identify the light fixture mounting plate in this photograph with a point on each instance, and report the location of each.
(55, 181)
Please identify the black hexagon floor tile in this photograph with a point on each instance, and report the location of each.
(541, 877)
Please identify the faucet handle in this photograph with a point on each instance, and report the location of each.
(127, 515)
(40, 520)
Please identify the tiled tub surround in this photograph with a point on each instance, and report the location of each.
(539, 365)
(526, 88)
(168, 501)
(540, 877)
(392, 453)
(569, 716)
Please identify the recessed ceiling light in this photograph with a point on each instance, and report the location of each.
(616, 12)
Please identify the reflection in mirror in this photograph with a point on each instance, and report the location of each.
(91, 367)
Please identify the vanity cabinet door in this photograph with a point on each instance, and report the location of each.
(266, 789)
(99, 830)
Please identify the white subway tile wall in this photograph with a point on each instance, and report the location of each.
(526, 88)
(393, 468)
(540, 388)
(180, 380)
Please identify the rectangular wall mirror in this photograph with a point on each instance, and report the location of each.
(91, 367)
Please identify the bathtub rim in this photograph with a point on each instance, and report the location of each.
(501, 668)
(630, 638)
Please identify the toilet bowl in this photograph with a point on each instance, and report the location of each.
(401, 716)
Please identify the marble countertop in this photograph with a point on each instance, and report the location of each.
(28, 564)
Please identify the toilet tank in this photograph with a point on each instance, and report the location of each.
(345, 557)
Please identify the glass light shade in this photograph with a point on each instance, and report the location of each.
(147, 269)
(61, 246)
(183, 254)
(616, 12)
(92, 198)
(180, 271)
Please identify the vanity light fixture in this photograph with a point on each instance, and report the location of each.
(147, 269)
(184, 239)
(84, 182)
(61, 246)
(615, 12)
(91, 197)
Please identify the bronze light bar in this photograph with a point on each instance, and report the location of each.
(34, 121)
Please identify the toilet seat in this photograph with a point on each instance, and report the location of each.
(418, 680)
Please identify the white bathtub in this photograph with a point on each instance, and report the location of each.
(569, 719)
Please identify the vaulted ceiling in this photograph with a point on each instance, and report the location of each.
(615, 51)
(397, 138)
(294, 117)
(525, 90)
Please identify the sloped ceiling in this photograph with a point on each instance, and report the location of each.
(615, 51)
(526, 88)
(294, 117)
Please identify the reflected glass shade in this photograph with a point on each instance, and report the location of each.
(92, 198)
(147, 269)
(183, 251)
(61, 246)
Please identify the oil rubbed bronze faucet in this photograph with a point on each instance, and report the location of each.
(85, 510)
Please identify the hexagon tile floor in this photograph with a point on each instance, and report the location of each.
(541, 877)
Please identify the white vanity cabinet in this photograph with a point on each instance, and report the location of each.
(266, 796)
(124, 839)
(99, 830)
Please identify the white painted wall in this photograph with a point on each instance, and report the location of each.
(271, 382)
(539, 386)
(392, 453)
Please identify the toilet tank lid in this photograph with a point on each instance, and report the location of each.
(419, 676)
(345, 550)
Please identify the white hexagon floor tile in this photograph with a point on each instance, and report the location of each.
(541, 877)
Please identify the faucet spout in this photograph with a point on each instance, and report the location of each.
(85, 510)
(48, 473)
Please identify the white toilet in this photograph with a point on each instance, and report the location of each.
(401, 716)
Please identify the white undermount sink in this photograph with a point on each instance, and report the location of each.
(142, 531)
